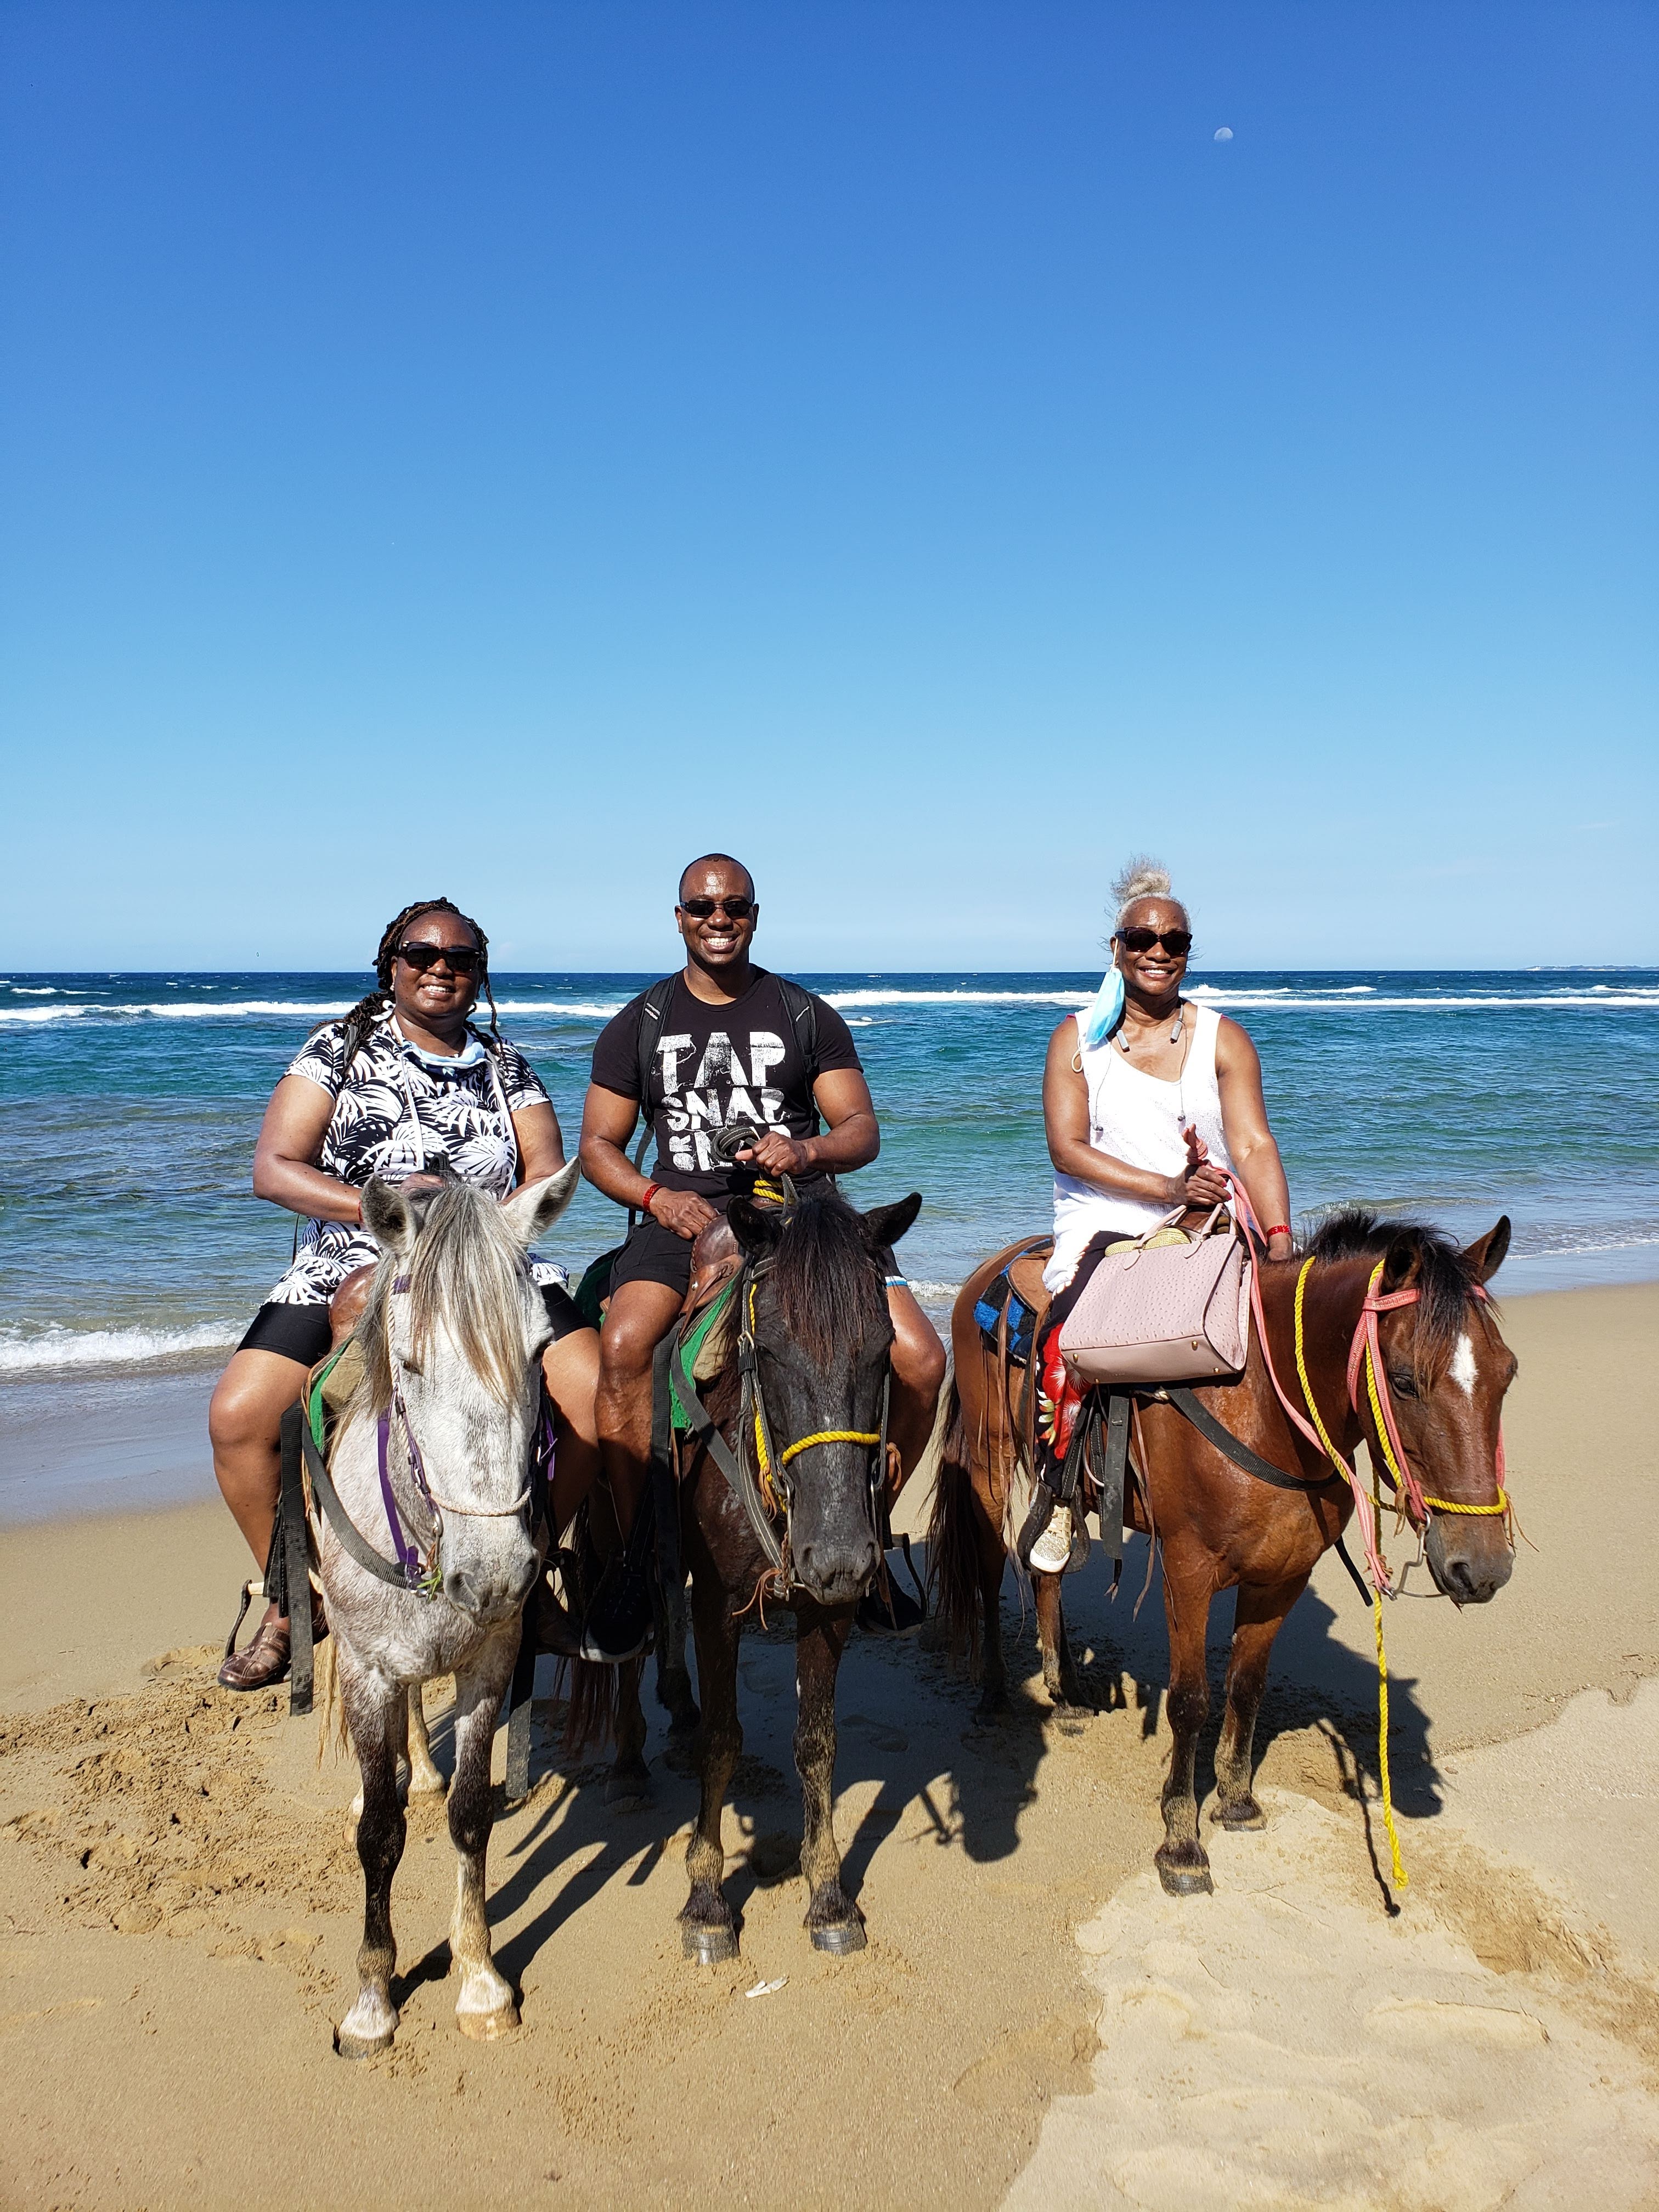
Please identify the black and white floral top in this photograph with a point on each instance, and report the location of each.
(398, 1110)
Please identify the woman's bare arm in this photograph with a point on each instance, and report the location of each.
(541, 1141)
(1250, 1141)
(285, 1168)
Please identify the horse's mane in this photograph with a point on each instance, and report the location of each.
(829, 1287)
(466, 1275)
(1445, 1277)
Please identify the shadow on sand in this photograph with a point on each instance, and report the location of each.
(908, 1724)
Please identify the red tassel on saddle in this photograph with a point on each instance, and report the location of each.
(1057, 1400)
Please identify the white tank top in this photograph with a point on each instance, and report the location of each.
(1138, 1119)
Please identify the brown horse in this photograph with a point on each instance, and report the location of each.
(1444, 1366)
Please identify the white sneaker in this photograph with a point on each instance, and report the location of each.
(1051, 1553)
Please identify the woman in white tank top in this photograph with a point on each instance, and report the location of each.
(1144, 1118)
(1143, 1103)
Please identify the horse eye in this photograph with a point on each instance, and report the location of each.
(1402, 1380)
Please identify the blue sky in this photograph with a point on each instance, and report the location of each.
(507, 449)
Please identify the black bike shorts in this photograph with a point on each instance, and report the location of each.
(302, 1333)
(654, 1254)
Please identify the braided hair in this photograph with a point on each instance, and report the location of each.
(373, 1006)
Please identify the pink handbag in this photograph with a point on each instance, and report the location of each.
(1163, 1312)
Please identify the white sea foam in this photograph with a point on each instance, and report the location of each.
(1342, 998)
(46, 1348)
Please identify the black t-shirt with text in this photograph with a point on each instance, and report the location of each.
(712, 1065)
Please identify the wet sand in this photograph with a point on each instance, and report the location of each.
(1031, 2014)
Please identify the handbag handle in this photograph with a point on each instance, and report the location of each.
(1197, 1242)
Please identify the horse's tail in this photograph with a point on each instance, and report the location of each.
(953, 1563)
(590, 1720)
(332, 1735)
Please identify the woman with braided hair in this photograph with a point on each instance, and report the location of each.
(403, 1086)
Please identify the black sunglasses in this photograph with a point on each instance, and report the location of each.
(1178, 942)
(734, 910)
(460, 959)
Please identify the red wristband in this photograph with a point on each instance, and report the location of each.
(651, 1190)
(1283, 1229)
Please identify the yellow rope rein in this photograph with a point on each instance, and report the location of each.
(802, 1443)
(1402, 1880)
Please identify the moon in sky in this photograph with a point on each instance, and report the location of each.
(1223, 135)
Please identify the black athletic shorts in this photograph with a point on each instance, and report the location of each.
(654, 1254)
(302, 1333)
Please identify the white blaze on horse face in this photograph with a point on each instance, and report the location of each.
(1462, 1370)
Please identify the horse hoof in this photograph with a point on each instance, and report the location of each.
(486, 2026)
(363, 2046)
(626, 1793)
(708, 1946)
(1185, 1881)
(1238, 1819)
(841, 1939)
(992, 1705)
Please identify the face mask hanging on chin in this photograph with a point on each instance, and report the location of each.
(445, 1061)
(1104, 1011)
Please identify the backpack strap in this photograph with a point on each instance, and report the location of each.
(653, 1014)
(803, 1011)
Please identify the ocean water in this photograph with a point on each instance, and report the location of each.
(130, 1241)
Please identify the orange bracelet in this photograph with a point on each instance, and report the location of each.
(651, 1190)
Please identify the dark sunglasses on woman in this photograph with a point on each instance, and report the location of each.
(734, 910)
(460, 959)
(1178, 942)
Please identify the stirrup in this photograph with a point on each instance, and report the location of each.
(251, 1589)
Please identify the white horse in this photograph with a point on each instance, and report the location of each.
(432, 1468)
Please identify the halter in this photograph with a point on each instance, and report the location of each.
(1364, 1354)
(762, 1489)
(1411, 1499)
(423, 1576)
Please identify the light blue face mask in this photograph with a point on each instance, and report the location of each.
(1104, 1011)
(445, 1063)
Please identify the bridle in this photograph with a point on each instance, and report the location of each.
(407, 1570)
(1414, 1504)
(757, 1471)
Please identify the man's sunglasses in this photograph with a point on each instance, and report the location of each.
(1178, 942)
(734, 910)
(460, 959)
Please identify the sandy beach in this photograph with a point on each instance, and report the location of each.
(1032, 2019)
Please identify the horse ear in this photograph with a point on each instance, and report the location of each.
(885, 1224)
(756, 1228)
(390, 1217)
(1486, 1255)
(1403, 1265)
(534, 1209)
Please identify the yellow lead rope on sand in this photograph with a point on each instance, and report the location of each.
(1402, 1880)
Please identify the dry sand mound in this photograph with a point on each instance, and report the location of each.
(1284, 2043)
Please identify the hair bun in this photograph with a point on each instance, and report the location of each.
(1143, 878)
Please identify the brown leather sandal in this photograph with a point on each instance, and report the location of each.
(265, 1660)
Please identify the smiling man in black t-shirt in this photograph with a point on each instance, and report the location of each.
(732, 1045)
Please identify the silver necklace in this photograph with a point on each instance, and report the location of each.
(1174, 1034)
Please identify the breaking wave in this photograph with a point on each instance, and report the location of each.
(40, 1350)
